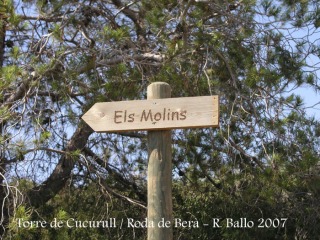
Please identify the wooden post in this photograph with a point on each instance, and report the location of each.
(159, 173)
(158, 115)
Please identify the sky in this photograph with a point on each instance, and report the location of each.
(311, 100)
(293, 35)
(310, 96)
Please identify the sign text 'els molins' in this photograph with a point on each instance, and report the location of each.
(149, 116)
(155, 114)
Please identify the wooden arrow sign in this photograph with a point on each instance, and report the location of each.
(155, 114)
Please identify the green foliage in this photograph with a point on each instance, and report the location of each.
(22, 214)
(73, 208)
(9, 74)
(15, 52)
(44, 138)
(4, 114)
(6, 7)
(116, 34)
(56, 31)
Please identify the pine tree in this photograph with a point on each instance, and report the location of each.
(58, 58)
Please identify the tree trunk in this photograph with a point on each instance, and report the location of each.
(56, 181)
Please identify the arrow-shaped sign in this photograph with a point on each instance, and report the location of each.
(154, 114)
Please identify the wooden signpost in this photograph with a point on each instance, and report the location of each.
(158, 115)
(153, 114)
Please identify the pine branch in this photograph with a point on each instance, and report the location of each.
(60, 175)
